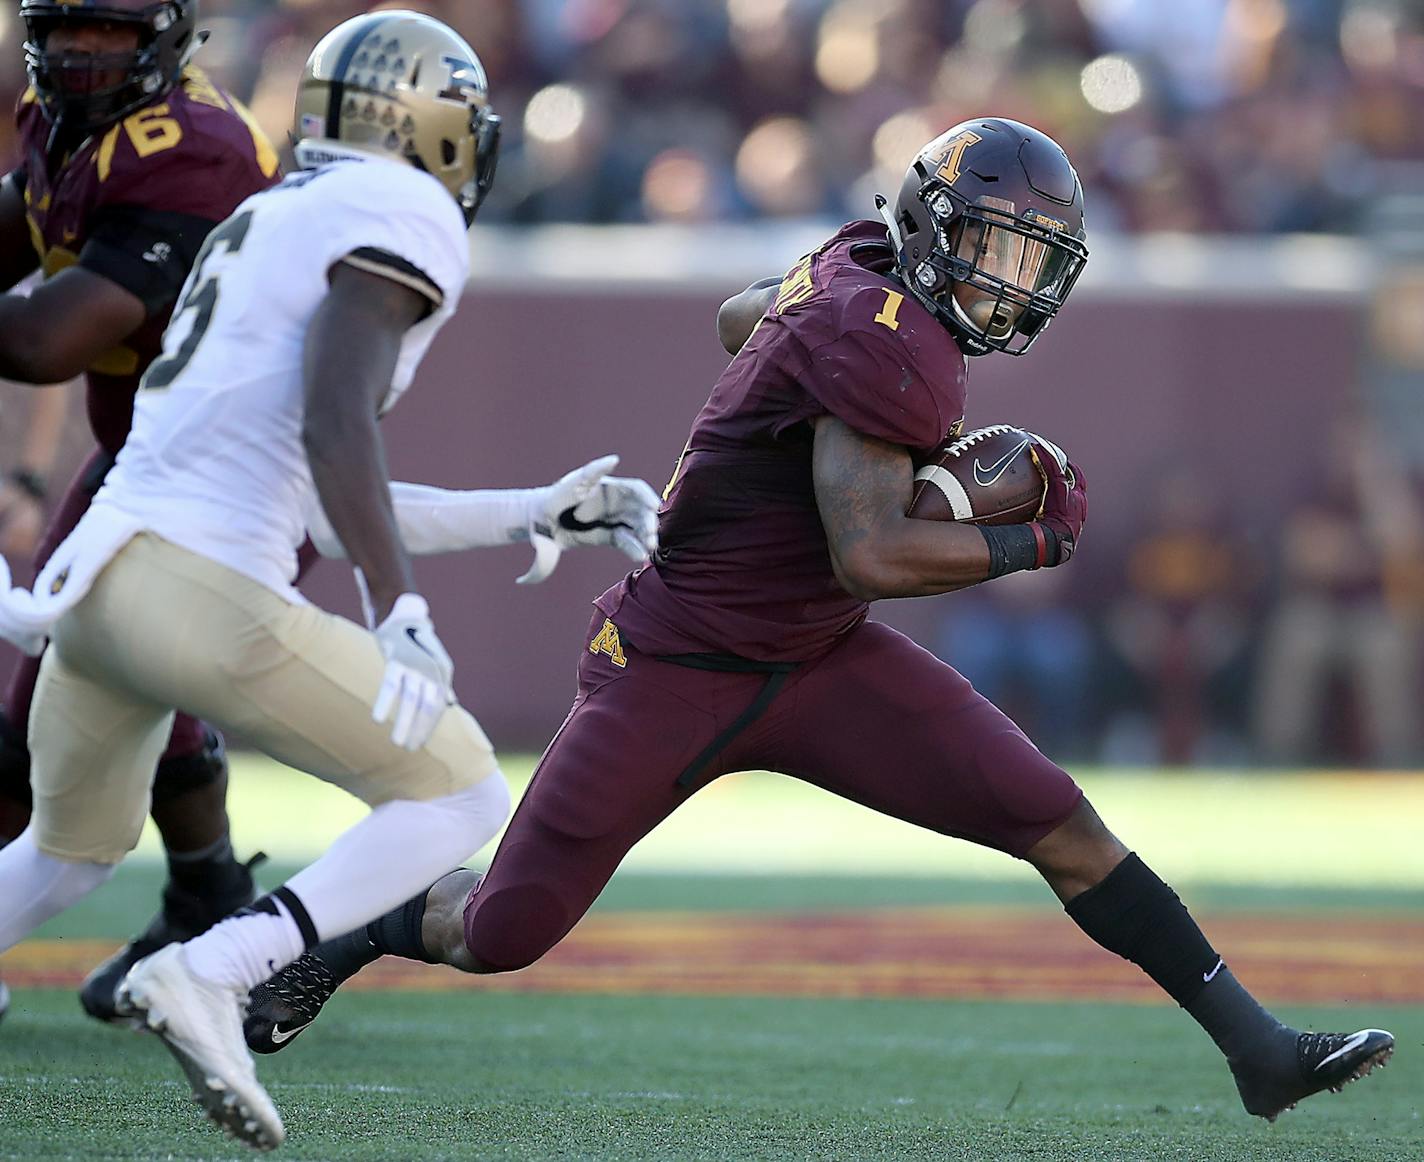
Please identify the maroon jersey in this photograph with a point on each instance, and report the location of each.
(744, 567)
(134, 203)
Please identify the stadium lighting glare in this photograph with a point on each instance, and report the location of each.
(848, 55)
(555, 113)
(1111, 84)
(994, 28)
(1369, 38)
(898, 140)
(757, 15)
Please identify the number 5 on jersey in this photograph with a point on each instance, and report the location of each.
(198, 304)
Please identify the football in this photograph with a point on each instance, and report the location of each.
(987, 477)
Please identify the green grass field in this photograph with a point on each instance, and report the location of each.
(472, 1073)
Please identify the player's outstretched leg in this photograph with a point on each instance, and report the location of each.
(200, 1022)
(205, 880)
(428, 927)
(1118, 901)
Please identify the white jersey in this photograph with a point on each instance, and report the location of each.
(215, 461)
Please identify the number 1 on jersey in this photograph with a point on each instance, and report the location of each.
(887, 314)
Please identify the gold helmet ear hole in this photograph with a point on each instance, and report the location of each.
(447, 151)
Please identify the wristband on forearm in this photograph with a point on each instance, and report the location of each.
(1013, 548)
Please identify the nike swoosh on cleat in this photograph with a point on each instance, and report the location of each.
(1354, 1042)
(1220, 964)
(280, 1036)
(984, 477)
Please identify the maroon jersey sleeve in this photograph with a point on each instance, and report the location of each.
(196, 152)
(870, 382)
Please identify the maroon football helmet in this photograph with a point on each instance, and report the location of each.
(74, 86)
(988, 232)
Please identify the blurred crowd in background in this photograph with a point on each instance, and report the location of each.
(1194, 115)
(1222, 646)
(1208, 116)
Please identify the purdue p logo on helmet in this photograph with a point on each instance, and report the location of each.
(403, 84)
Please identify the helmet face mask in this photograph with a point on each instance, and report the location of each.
(988, 230)
(84, 91)
(402, 85)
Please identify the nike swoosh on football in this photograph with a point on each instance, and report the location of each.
(984, 477)
(1220, 964)
(281, 1036)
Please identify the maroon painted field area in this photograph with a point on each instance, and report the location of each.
(962, 952)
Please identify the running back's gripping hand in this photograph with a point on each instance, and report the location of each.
(1065, 505)
(417, 686)
(589, 507)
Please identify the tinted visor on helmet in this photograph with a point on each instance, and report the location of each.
(1008, 274)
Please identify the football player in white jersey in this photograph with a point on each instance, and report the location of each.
(302, 321)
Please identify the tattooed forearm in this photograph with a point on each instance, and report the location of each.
(863, 487)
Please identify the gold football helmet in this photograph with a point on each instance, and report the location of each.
(404, 84)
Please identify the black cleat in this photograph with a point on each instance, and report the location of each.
(287, 1002)
(184, 915)
(1321, 1061)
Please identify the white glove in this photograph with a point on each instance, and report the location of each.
(588, 507)
(419, 673)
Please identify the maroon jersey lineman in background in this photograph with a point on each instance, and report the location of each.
(746, 646)
(134, 204)
(130, 156)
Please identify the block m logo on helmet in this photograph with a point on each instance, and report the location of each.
(954, 154)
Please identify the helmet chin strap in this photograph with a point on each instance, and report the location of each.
(897, 241)
(200, 38)
(882, 206)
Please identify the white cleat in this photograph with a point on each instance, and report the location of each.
(200, 1022)
(4, 1000)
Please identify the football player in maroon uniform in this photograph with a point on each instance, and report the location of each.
(745, 644)
(130, 156)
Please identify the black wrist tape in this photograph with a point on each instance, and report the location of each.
(1012, 548)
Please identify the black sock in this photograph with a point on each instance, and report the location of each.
(1137, 916)
(397, 933)
(210, 873)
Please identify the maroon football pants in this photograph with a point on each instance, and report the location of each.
(878, 720)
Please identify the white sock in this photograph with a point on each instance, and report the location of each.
(400, 848)
(35, 886)
(245, 950)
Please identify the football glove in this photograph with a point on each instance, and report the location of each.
(589, 507)
(1065, 504)
(419, 673)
